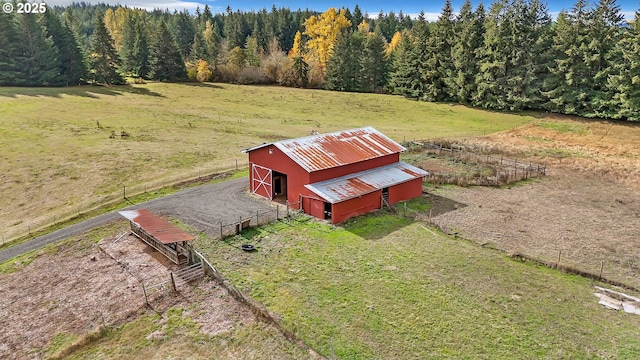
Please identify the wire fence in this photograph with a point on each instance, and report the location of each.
(503, 171)
(37, 226)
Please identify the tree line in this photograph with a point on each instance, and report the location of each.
(512, 56)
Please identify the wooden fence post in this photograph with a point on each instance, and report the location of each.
(601, 267)
(277, 212)
(558, 262)
(173, 282)
(287, 204)
(221, 230)
(144, 291)
(257, 219)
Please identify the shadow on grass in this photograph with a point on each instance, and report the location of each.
(88, 91)
(378, 224)
(202, 85)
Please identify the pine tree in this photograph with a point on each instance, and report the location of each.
(9, 69)
(343, 69)
(198, 49)
(604, 56)
(140, 54)
(373, 63)
(301, 71)
(439, 75)
(469, 30)
(165, 60)
(183, 29)
(104, 58)
(252, 51)
(37, 57)
(410, 61)
(493, 59)
(625, 83)
(568, 87)
(127, 46)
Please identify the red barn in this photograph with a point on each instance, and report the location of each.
(334, 176)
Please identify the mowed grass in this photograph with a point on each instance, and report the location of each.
(57, 158)
(384, 287)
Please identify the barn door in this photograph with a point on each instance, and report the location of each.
(262, 181)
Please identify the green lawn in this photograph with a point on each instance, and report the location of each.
(58, 159)
(384, 287)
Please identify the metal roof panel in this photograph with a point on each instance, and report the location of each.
(324, 151)
(361, 183)
(156, 226)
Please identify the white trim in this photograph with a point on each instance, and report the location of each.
(263, 182)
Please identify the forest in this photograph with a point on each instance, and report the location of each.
(511, 56)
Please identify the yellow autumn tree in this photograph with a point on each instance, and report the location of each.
(364, 27)
(204, 71)
(114, 22)
(296, 50)
(391, 47)
(323, 31)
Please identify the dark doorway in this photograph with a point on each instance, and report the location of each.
(385, 196)
(327, 211)
(279, 186)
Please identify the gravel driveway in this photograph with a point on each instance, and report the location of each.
(202, 207)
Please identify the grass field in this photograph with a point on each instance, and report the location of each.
(385, 287)
(58, 159)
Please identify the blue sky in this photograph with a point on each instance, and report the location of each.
(432, 8)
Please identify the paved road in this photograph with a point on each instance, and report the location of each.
(202, 207)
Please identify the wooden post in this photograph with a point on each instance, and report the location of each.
(333, 355)
(287, 204)
(221, 230)
(236, 164)
(558, 262)
(173, 282)
(599, 276)
(144, 291)
(299, 335)
(257, 220)
(124, 192)
(29, 228)
(277, 212)
(405, 208)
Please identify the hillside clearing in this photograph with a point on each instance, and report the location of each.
(58, 158)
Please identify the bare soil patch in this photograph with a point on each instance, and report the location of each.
(586, 211)
(80, 287)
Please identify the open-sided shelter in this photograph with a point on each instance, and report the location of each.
(158, 233)
(334, 176)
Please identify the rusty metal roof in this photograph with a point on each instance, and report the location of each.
(324, 151)
(156, 226)
(364, 182)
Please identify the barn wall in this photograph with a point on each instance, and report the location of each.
(335, 172)
(297, 177)
(405, 191)
(315, 207)
(356, 206)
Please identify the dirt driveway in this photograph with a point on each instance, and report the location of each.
(202, 207)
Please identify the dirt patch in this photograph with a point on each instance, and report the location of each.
(83, 286)
(585, 212)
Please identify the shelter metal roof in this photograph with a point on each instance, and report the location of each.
(364, 182)
(156, 226)
(324, 151)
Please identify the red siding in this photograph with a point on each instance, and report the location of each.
(405, 191)
(314, 207)
(278, 161)
(335, 172)
(357, 206)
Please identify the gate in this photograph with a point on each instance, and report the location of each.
(262, 183)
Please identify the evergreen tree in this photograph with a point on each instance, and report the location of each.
(140, 54)
(166, 61)
(439, 74)
(343, 68)
(356, 18)
(301, 71)
(493, 59)
(252, 51)
(625, 84)
(199, 48)
(568, 87)
(469, 30)
(37, 58)
(9, 68)
(410, 61)
(373, 64)
(603, 56)
(127, 45)
(184, 31)
(104, 58)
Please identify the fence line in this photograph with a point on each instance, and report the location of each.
(504, 170)
(31, 229)
(258, 309)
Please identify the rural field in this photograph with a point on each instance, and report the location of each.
(378, 286)
(58, 158)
